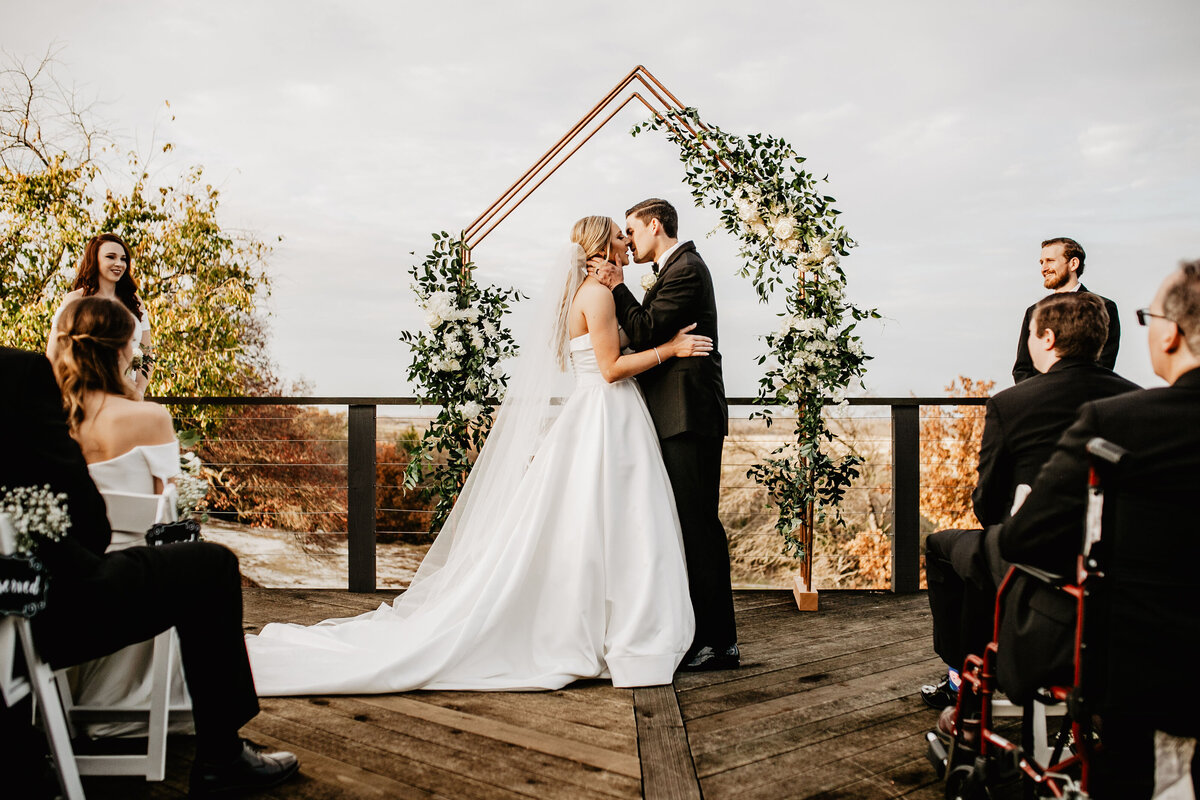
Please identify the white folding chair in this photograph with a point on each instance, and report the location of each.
(16, 632)
(130, 515)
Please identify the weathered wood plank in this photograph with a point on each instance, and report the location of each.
(464, 753)
(667, 769)
(580, 752)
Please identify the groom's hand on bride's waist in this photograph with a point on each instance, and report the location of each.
(606, 272)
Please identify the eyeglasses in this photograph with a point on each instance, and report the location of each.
(1143, 313)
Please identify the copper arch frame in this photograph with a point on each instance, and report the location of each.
(667, 111)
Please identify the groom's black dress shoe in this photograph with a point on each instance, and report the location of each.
(251, 770)
(710, 658)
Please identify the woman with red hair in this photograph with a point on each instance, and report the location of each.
(106, 270)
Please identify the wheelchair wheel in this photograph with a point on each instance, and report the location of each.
(964, 783)
(981, 781)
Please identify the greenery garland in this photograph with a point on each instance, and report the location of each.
(791, 244)
(456, 367)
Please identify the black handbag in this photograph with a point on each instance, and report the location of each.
(184, 530)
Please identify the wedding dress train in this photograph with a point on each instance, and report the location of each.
(582, 576)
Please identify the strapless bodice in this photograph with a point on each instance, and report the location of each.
(583, 362)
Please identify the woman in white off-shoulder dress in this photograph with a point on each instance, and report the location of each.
(563, 557)
(130, 446)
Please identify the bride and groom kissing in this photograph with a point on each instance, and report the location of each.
(586, 541)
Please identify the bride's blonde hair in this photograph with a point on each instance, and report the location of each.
(91, 332)
(593, 235)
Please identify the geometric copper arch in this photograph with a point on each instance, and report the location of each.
(662, 102)
(545, 166)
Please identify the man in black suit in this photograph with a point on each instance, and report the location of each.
(100, 602)
(1021, 426)
(686, 398)
(1061, 263)
(1151, 541)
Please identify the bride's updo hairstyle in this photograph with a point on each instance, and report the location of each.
(92, 332)
(593, 236)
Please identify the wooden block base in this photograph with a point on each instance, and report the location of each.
(805, 600)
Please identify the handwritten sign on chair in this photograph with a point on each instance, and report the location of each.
(24, 583)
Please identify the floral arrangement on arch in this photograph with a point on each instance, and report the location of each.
(455, 366)
(791, 246)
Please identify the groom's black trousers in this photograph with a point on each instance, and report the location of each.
(132, 595)
(694, 465)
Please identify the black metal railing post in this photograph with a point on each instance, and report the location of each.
(360, 498)
(906, 497)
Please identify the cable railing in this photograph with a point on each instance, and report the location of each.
(353, 483)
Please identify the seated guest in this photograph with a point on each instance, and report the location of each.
(195, 588)
(1151, 540)
(1061, 264)
(130, 446)
(1065, 335)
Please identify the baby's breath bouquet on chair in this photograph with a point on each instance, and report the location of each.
(37, 514)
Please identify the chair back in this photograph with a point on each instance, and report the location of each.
(133, 512)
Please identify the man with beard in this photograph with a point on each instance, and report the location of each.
(1062, 265)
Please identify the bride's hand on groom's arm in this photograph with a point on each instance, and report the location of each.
(685, 344)
(606, 272)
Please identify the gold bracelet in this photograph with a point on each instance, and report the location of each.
(656, 355)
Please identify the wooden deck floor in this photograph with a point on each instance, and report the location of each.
(824, 706)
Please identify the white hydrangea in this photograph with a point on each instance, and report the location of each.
(759, 229)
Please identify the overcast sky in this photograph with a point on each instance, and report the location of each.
(956, 136)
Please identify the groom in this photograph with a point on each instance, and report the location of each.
(686, 397)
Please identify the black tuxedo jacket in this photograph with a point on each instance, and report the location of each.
(1150, 547)
(1023, 423)
(684, 395)
(1023, 367)
(36, 449)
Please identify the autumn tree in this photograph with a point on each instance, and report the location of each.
(950, 438)
(63, 180)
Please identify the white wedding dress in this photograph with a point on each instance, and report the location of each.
(122, 680)
(579, 574)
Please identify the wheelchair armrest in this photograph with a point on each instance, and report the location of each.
(1050, 578)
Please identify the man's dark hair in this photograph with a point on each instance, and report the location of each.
(661, 210)
(1079, 321)
(1071, 249)
(1182, 304)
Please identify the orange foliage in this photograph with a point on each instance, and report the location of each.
(950, 438)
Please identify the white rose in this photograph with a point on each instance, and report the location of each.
(433, 319)
(791, 246)
(785, 228)
(648, 281)
(471, 409)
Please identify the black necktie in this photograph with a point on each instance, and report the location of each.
(654, 266)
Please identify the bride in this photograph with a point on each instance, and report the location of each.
(562, 558)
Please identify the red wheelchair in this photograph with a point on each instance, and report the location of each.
(981, 764)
